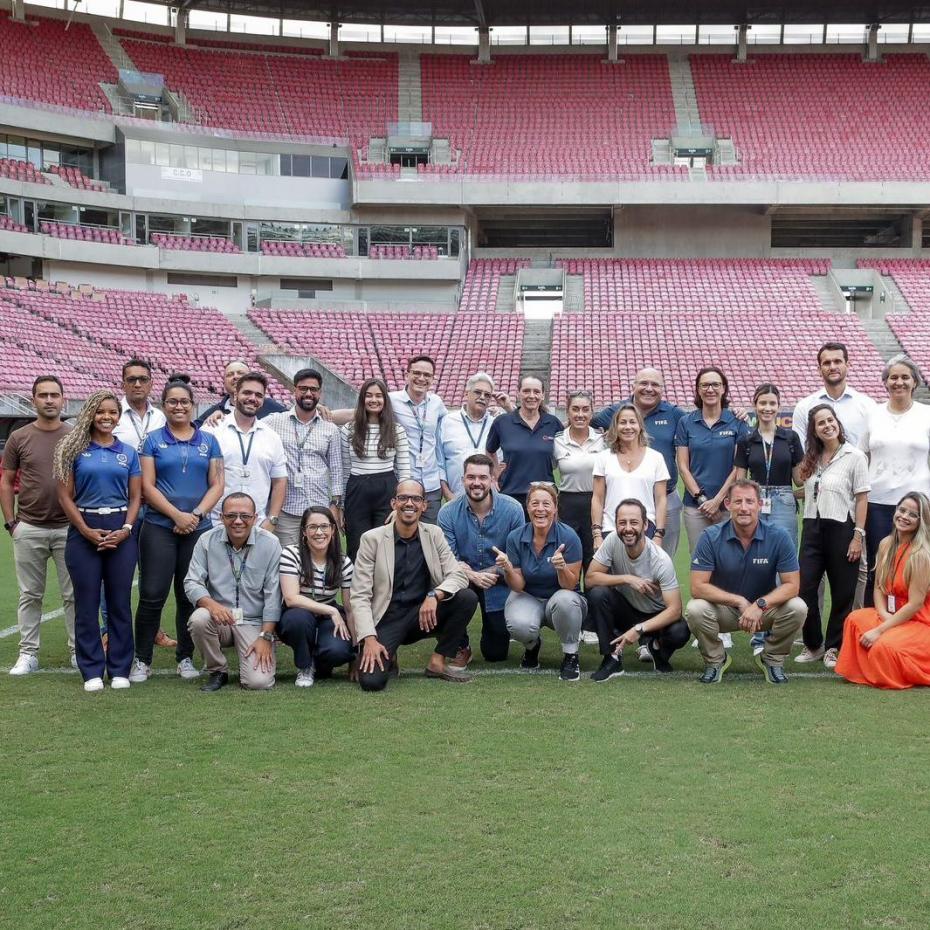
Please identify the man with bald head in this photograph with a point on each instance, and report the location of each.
(233, 371)
(661, 419)
(407, 586)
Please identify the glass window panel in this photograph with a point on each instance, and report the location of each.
(359, 32)
(264, 164)
(921, 32)
(320, 167)
(634, 35)
(206, 159)
(589, 35)
(676, 35)
(286, 166)
(456, 35)
(201, 19)
(191, 158)
(306, 30)
(339, 169)
(717, 35)
(176, 156)
(247, 163)
(232, 162)
(16, 146)
(253, 25)
(764, 35)
(893, 32)
(508, 35)
(548, 35)
(34, 153)
(161, 153)
(50, 156)
(415, 34)
(847, 33)
(145, 12)
(219, 159)
(146, 152)
(301, 166)
(132, 151)
(805, 34)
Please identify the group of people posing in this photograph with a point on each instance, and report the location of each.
(444, 513)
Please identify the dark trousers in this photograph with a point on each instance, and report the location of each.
(400, 626)
(313, 639)
(114, 568)
(367, 505)
(614, 614)
(495, 638)
(823, 551)
(879, 523)
(575, 510)
(164, 557)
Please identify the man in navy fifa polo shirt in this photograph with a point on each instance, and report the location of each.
(745, 576)
(661, 419)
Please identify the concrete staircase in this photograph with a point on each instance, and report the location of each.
(898, 303)
(725, 152)
(683, 93)
(537, 350)
(111, 45)
(661, 152)
(506, 294)
(830, 298)
(409, 89)
(888, 346)
(573, 295)
(262, 341)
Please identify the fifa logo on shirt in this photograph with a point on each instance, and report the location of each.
(760, 561)
(660, 422)
(727, 432)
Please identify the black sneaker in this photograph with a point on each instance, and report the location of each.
(611, 667)
(570, 670)
(659, 658)
(530, 660)
(713, 674)
(774, 674)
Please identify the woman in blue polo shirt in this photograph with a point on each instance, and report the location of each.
(182, 480)
(527, 439)
(542, 566)
(100, 489)
(705, 443)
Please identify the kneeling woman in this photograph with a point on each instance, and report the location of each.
(312, 573)
(888, 645)
(541, 566)
(100, 489)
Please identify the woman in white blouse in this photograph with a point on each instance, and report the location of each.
(628, 468)
(375, 456)
(896, 442)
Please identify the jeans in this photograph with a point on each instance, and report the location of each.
(114, 568)
(313, 639)
(495, 639)
(164, 557)
(879, 523)
(784, 512)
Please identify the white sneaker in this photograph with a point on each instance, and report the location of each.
(25, 665)
(305, 677)
(138, 673)
(187, 670)
(73, 661)
(830, 658)
(589, 638)
(757, 650)
(727, 640)
(93, 684)
(118, 683)
(809, 655)
(644, 655)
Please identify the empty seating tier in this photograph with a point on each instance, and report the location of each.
(74, 177)
(645, 284)
(289, 249)
(482, 281)
(403, 252)
(11, 225)
(602, 353)
(827, 116)
(21, 171)
(84, 233)
(357, 346)
(193, 243)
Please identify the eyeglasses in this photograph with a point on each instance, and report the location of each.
(238, 517)
(137, 379)
(307, 390)
(486, 395)
(177, 402)
(422, 375)
(910, 514)
(711, 386)
(410, 498)
(316, 529)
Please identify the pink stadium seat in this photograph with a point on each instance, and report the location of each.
(194, 244)
(482, 281)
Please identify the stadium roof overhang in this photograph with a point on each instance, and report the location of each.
(587, 12)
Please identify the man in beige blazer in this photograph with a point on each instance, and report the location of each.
(407, 586)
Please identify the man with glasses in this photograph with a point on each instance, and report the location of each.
(233, 583)
(408, 586)
(314, 457)
(465, 432)
(233, 371)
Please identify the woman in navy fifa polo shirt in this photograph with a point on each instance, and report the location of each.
(100, 489)
(705, 443)
(182, 479)
(527, 438)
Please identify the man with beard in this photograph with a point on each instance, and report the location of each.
(633, 591)
(314, 458)
(407, 586)
(233, 371)
(474, 525)
(254, 459)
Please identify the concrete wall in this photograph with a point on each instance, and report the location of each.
(669, 232)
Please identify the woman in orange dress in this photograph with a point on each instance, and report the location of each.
(888, 645)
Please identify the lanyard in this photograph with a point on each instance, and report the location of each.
(475, 444)
(140, 434)
(768, 450)
(821, 469)
(245, 452)
(421, 424)
(301, 443)
(237, 573)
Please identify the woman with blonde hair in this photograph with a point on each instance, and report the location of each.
(888, 645)
(100, 490)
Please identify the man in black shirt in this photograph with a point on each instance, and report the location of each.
(233, 371)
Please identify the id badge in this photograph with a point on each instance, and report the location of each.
(298, 480)
(422, 460)
(766, 505)
(245, 472)
(892, 605)
(237, 615)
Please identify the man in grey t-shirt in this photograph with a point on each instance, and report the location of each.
(633, 592)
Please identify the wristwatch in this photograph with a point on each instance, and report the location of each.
(639, 629)
(432, 593)
(701, 498)
(266, 635)
(762, 604)
(198, 513)
(8, 526)
(660, 533)
(859, 531)
(273, 521)
(127, 527)
(335, 502)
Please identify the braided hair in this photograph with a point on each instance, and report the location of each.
(72, 445)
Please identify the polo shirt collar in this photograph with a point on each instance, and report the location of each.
(727, 416)
(729, 533)
(526, 534)
(173, 440)
(567, 439)
(780, 433)
(115, 446)
(661, 407)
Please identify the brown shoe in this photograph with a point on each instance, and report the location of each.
(450, 673)
(461, 660)
(164, 640)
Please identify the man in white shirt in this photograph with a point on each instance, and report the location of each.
(253, 454)
(139, 416)
(465, 432)
(852, 407)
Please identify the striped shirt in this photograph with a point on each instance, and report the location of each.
(396, 460)
(318, 590)
(830, 492)
(314, 460)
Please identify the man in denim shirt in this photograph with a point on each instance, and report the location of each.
(474, 525)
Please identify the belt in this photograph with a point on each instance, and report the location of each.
(104, 511)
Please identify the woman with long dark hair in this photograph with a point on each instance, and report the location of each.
(100, 490)
(313, 624)
(182, 480)
(888, 645)
(375, 456)
(836, 488)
